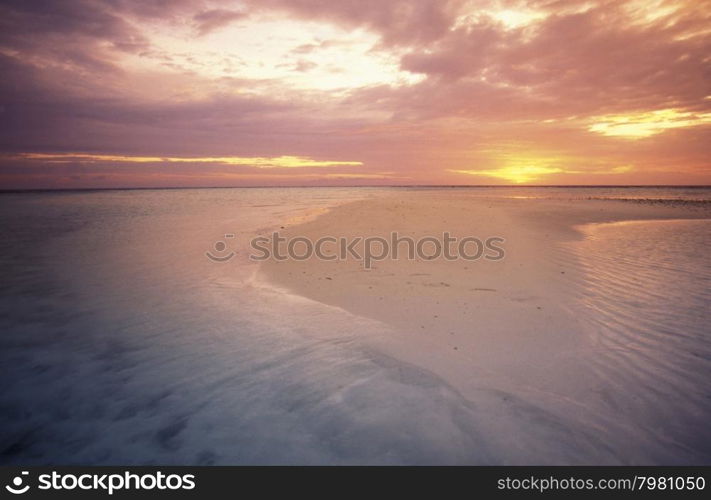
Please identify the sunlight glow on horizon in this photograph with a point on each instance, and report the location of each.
(525, 172)
(515, 174)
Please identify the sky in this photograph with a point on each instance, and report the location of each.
(180, 93)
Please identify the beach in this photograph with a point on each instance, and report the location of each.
(340, 233)
(517, 325)
(494, 314)
(126, 342)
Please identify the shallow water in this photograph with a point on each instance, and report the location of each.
(645, 293)
(123, 343)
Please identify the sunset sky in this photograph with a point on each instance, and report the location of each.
(123, 93)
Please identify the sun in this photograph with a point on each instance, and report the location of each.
(517, 174)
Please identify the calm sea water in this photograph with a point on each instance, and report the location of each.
(685, 193)
(121, 342)
(646, 294)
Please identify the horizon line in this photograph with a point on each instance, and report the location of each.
(360, 186)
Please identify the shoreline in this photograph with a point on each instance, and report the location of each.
(472, 324)
(522, 340)
(122, 289)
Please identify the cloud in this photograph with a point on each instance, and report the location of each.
(304, 65)
(398, 21)
(257, 162)
(211, 20)
(646, 124)
(507, 87)
(35, 25)
(598, 60)
(40, 112)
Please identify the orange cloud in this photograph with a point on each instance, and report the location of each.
(648, 123)
(258, 162)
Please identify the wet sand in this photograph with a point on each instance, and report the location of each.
(508, 317)
(512, 325)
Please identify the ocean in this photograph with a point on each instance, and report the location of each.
(123, 342)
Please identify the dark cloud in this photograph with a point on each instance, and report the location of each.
(33, 25)
(38, 113)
